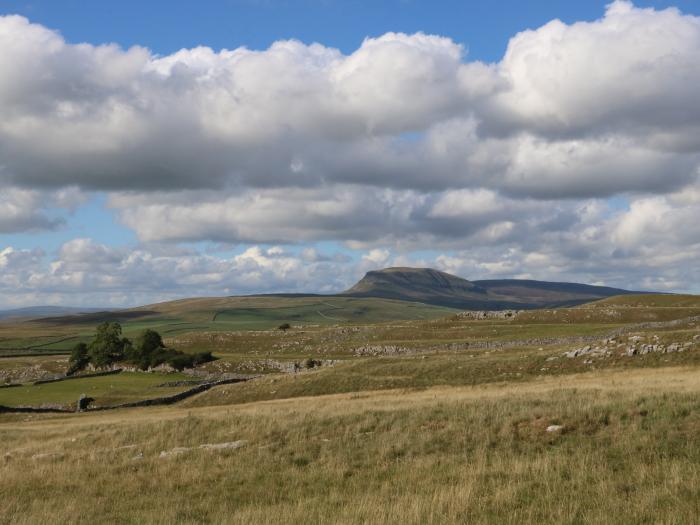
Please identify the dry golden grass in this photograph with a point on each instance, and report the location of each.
(627, 453)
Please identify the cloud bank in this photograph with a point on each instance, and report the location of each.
(405, 144)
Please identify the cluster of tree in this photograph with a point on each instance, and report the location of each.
(146, 351)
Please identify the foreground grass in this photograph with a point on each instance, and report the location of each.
(627, 453)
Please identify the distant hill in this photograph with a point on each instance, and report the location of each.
(60, 333)
(34, 312)
(443, 289)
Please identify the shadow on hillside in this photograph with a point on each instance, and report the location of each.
(95, 317)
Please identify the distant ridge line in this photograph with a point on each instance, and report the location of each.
(435, 287)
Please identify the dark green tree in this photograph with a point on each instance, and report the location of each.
(148, 341)
(148, 350)
(78, 359)
(148, 346)
(108, 345)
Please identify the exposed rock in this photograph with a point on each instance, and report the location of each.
(375, 350)
(287, 367)
(636, 345)
(84, 402)
(28, 374)
(554, 428)
(207, 446)
(224, 446)
(480, 315)
(589, 351)
(48, 455)
(174, 452)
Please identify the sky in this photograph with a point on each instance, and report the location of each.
(156, 150)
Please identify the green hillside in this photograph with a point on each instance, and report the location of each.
(649, 300)
(217, 314)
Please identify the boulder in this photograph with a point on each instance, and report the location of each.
(224, 446)
(84, 402)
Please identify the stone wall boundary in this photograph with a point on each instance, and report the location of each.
(165, 400)
(83, 376)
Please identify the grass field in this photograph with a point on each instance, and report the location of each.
(106, 390)
(627, 452)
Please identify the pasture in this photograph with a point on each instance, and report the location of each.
(106, 390)
(59, 334)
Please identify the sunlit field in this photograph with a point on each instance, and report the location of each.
(622, 447)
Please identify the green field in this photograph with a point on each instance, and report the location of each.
(212, 315)
(106, 390)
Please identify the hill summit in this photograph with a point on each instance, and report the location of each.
(432, 286)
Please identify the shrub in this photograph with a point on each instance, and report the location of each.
(203, 357)
(311, 363)
(180, 360)
(284, 327)
(78, 359)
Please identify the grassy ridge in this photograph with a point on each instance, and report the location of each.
(213, 315)
(649, 301)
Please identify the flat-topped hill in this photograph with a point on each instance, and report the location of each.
(431, 286)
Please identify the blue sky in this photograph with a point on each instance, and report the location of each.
(166, 26)
(122, 220)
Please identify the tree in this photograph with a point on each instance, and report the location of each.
(148, 351)
(148, 341)
(108, 345)
(148, 345)
(78, 359)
